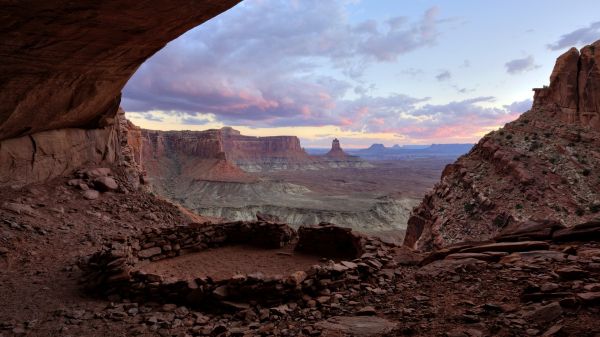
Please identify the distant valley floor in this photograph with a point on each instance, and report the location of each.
(377, 200)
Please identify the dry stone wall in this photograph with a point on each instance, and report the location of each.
(112, 270)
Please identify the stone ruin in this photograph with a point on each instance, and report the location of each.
(113, 270)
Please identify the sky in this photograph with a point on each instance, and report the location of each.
(370, 71)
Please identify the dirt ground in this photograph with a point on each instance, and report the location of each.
(224, 262)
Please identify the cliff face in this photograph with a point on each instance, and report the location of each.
(543, 166)
(575, 87)
(251, 154)
(173, 160)
(261, 152)
(226, 145)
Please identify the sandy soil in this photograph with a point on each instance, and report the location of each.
(224, 262)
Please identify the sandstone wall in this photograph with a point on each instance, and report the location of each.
(45, 155)
(203, 144)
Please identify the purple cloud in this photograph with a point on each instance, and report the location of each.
(521, 65)
(257, 64)
(580, 36)
(408, 116)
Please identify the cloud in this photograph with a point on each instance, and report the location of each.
(519, 107)
(522, 65)
(149, 116)
(195, 121)
(461, 90)
(413, 118)
(282, 63)
(260, 63)
(412, 72)
(577, 37)
(443, 76)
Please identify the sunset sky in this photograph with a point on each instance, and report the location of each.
(377, 71)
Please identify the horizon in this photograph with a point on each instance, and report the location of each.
(363, 72)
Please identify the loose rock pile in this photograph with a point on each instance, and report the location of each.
(95, 180)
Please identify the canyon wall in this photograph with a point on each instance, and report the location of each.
(541, 167)
(45, 155)
(250, 154)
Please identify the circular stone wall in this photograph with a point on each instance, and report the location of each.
(139, 268)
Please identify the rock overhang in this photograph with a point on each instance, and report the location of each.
(65, 63)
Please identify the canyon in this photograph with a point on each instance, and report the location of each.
(220, 173)
(506, 243)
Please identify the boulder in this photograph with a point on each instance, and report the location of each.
(106, 184)
(359, 326)
(529, 230)
(91, 194)
(147, 253)
(543, 314)
(329, 240)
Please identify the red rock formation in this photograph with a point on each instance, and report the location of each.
(248, 150)
(336, 150)
(195, 155)
(45, 155)
(543, 166)
(575, 87)
(225, 144)
(64, 63)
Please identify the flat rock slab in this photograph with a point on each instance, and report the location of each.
(360, 326)
(508, 247)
